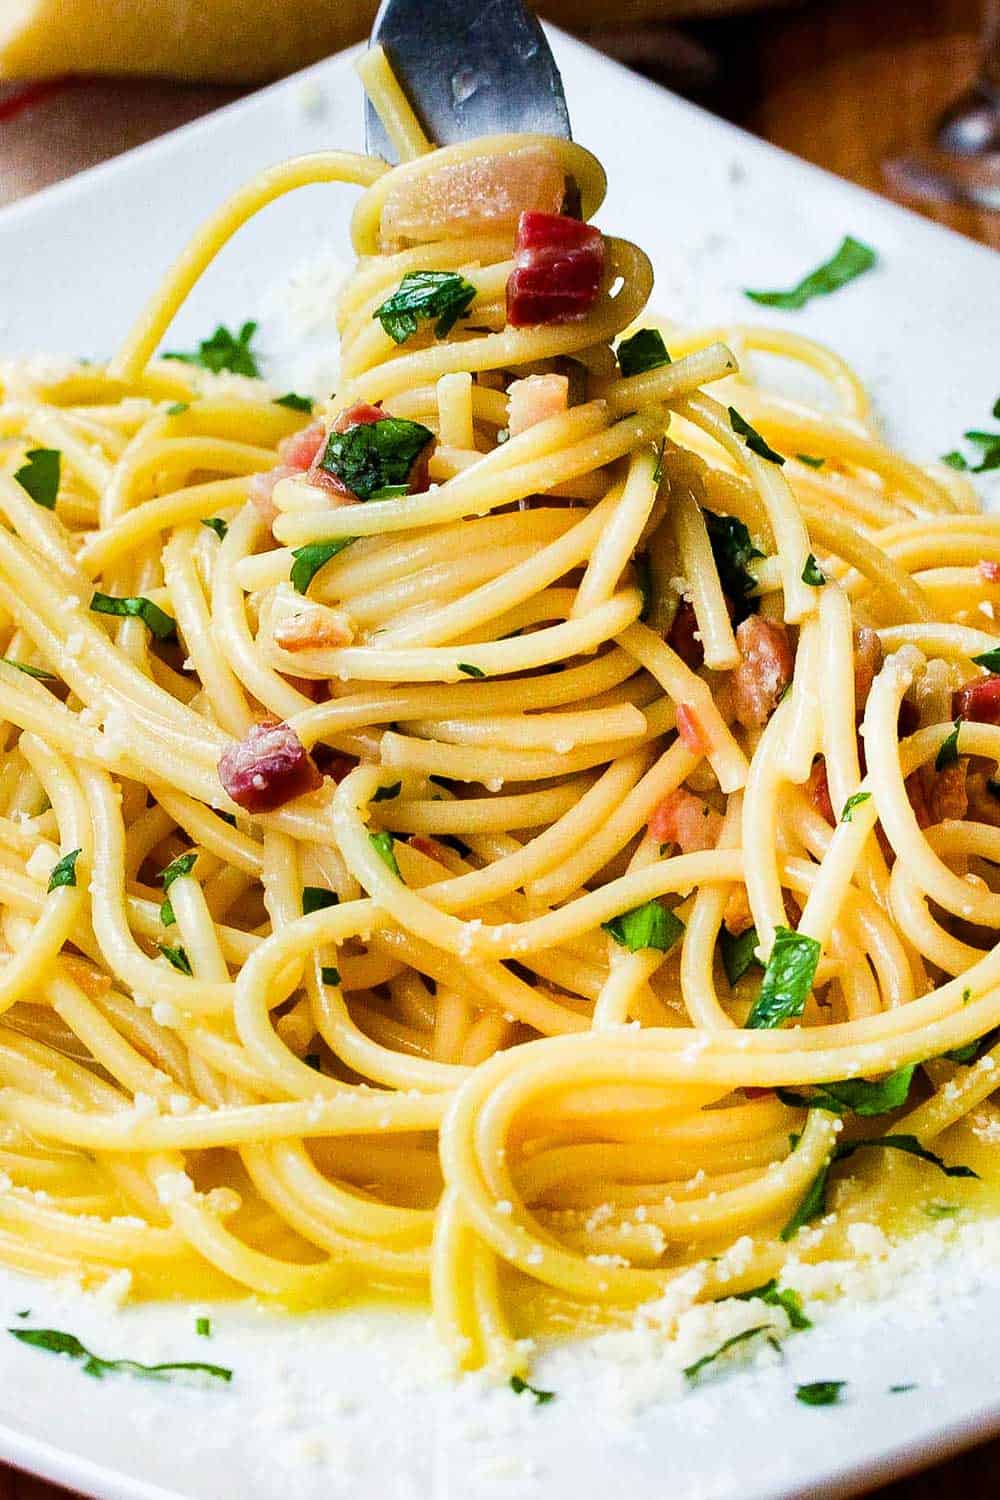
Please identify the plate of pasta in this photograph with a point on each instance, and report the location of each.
(500, 822)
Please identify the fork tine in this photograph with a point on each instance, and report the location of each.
(468, 71)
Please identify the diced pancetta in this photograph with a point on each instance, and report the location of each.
(558, 266)
(691, 730)
(535, 399)
(764, 672)
(685, 820)
(978, 700)
(683, 636)
(268, 767)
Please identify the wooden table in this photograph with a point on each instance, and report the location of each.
(841, 84)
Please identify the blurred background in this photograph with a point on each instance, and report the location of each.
(902, 96)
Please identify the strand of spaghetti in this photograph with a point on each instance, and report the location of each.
(274, 182)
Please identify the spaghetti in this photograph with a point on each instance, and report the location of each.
(518, 880)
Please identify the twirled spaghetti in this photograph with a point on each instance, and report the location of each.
(614, 689)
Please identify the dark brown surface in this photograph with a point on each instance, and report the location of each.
(841, 84)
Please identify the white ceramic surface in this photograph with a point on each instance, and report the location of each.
(354, 1404)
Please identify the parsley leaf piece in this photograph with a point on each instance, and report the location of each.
(310, 558)
(312, 1060)
(752, 438)
(738, 953)
(732, 550)
(182, 865)
(178, 957)
(216, 524)
(55, 1341)
(948, 753)
(224, 351)
(658, 466)
(851, 259)
(374, 459)
(974, 1049)
(64, 872)
(203, 1327)
(787, 980)
(30, 671)
(807, 458)
(387, 793)
(470, 671)
(855, 800)
(897, 1390)
(40, 476)
(812, 573)
(776, 1296)
(317, 898)
(645, 350)
(941, 1210)
(382, 844)
(330, 975)
(159, 624)
(955, 460)
(820, 1392)
(294, 402)
(648, 926)
(812, 1204)
(178, 408)
(519, 1386)
(690, 1371)
(857, 1095)
(989, 659)
(911, 1146)
(443, 295)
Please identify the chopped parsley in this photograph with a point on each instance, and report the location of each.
(216, 524)
(857, 1095)
(820, 1392)
(329, 975)
(312, 557)
(855, 800)
(787, 980)
(972, 1050)
(645, 350)
(182, 865)
(776, 1296)
(732, 551)
(692, 1370)
(317, 898)
(648, 926)
(897, 1390)
(519, 1387)
(387, 793)
(989, 442)
(948, 753)
(40, 476)
(851, 259)
(955, 460)
(159, 624)
(813, 1204)
(941, 1210)
(224, 351)
(810, 460)
(752, 438)
(989, 659)
(469, 670)
(54, 1341)
(64, 872)
(658, 466)
(374, 459)
(382, 844)
(812, 573)
(443, 295)
(294, 402)
(178, 958)
(203, 1327)
(738, 953)
(29, 671)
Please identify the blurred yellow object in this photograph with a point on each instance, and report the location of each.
(235, 41)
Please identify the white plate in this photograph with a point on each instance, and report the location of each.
(355, 1403)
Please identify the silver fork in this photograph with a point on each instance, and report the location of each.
(468, 70)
